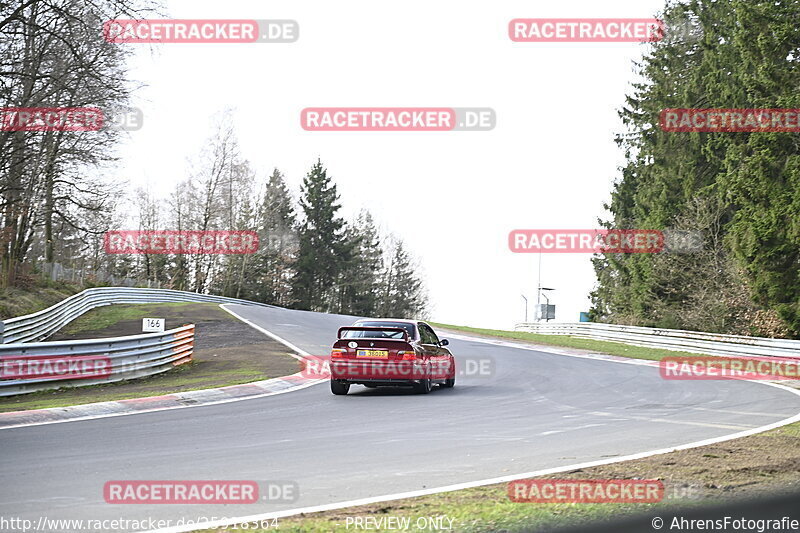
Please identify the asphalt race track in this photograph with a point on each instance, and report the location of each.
(537, 410)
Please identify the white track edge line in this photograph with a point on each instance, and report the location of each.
(483, 482)
(286, 343)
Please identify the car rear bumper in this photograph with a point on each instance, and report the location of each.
(383, 382)
(373, 371)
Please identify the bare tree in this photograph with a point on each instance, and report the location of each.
(52, 54)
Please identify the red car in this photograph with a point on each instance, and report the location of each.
(396, 353)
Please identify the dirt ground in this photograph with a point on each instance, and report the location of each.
(227, 351)
(759, 464)
(222, 342)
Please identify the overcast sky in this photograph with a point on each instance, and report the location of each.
(549, 163)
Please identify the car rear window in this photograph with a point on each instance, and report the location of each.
(410, 328)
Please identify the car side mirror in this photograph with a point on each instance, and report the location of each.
(444, 342)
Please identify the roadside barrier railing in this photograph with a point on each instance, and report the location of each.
(40, 325)
(671, 339)
(48, 365)
(28, 365)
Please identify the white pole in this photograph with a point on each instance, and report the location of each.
(526, 307)
(539, 291)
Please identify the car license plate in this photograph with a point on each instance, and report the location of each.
(372, 354)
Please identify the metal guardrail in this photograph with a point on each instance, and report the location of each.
(672, 339)
(46, 365)
(27, 365)
(40, 325)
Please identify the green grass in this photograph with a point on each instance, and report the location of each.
(791, 430)
(106, 316)
(476, 510)
(19, 301)
(183, 378)
(566, 341)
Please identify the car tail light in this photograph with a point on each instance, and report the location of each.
(338, 352)
(407, 356)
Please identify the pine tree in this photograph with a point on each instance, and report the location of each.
(359, 282)
(277, 243)
(742, 54)
(323, 250)
(403, 294)
(277, 209)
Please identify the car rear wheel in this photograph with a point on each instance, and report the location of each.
(449, 383)
(423, 387)
(339, 387)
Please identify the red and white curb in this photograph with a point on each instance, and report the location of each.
(181, 400)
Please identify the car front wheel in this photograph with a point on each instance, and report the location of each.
(339, 388)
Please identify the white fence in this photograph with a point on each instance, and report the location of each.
(672, 339)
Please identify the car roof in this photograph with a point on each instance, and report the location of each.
(401, 320)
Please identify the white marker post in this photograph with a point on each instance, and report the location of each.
(151, 325)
